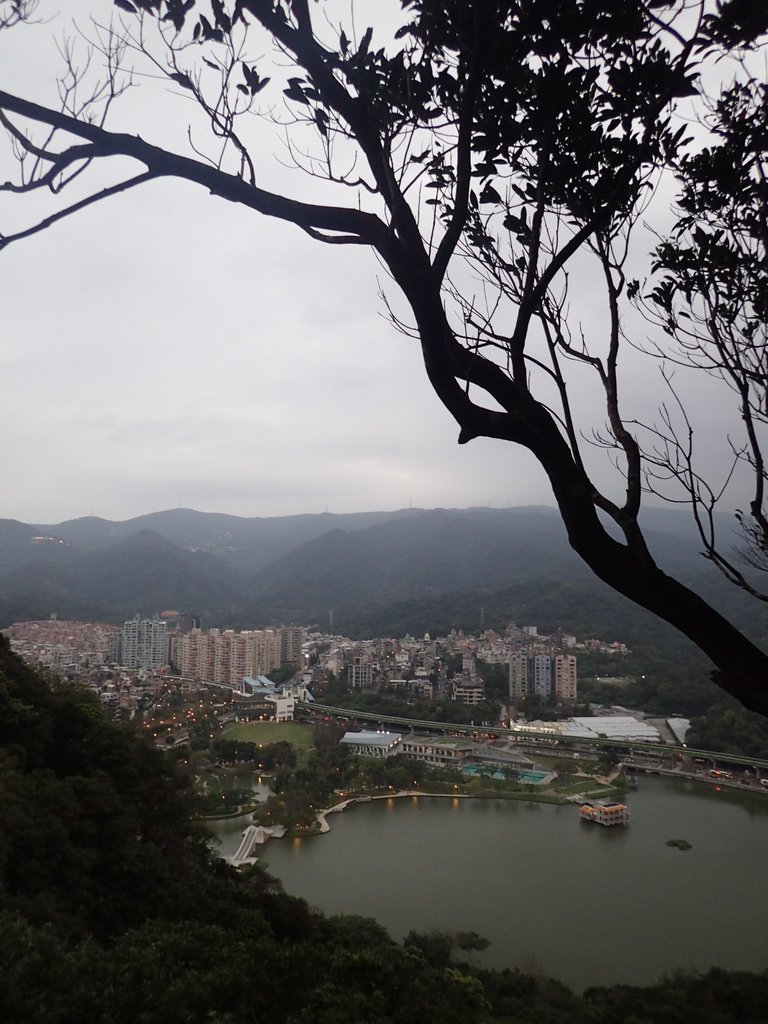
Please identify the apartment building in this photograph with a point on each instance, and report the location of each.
(227, 657)
(468, 691)
(360, 673)
(518, 677)
(565, 677)
(540, 674)
(291, 641)
(143, 643)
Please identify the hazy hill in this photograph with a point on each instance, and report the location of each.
(245, 544)
(430, 552)
(448, 551)
(144, 573)
(409, 568)
(24, 545)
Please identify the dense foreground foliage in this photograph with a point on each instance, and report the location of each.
(113, 909)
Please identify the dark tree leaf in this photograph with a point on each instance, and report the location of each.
(182, 79)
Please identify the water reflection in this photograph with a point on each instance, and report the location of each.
(587, 904)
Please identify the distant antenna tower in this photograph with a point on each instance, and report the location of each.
(330, 618)
(482, 616)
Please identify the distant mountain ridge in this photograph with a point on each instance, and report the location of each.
(235, 570)
(245, 543)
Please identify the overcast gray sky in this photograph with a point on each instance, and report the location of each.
(166, 348)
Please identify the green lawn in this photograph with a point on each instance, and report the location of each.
(545, 761)
(297, 733)
(568, 784)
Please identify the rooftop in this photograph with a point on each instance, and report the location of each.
(372, 739)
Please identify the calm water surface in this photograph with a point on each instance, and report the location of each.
(579, 902)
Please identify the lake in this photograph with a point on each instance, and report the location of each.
(555, 896)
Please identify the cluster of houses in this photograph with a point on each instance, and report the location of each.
(446, 667)
(137, 662)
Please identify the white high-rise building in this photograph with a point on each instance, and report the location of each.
(144, 643)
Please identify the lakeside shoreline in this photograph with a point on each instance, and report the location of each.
(343, 805)
(542, 798)
(322, 825)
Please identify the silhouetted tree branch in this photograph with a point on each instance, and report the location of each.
(710, 298)
(509, 135)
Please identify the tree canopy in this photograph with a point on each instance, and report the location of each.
(482, 149)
